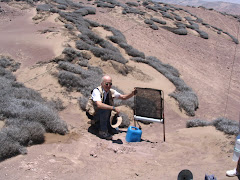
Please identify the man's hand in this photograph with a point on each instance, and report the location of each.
(134, 91)
(117, 110)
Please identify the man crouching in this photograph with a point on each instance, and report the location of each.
(100, 105)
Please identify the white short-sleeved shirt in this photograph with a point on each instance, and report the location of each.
(96, 95)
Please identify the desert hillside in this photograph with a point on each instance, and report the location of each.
(230, 7)
(57, 51)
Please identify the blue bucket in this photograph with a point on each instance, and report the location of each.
(133, 134)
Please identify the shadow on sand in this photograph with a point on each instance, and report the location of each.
(94, 130)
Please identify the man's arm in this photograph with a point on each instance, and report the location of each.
(101, 105)
(127, 96)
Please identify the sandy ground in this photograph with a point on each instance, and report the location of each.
(81, 154)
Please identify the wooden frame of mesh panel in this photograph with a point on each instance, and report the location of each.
(149, 106)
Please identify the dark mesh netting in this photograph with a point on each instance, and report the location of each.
(149, 103)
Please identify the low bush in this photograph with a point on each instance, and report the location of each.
(199, 20)
(44, 7)
(127, 10)
(226, 125)
(132, 4)
(106, 54)
(62, 2)
(69, 26)
(131, 51)
(145, 3)
(183, 94)
(202, 34)
(166, 15)
(222, 124)
(71, 54)
(216, 28)
(27, 115)
(188, 18)
(197, 123)
(159, 21)
(83, 62)
(187, 100)
(9, 63)
(56, 104)
(152, 8)
(84, 82)
(180, 31)
(196, 26)
(154, 26)
(63, 7)
(82, 101)
(178, 18)
(92, 23)
(116, 33)
(180, 25)
(53, 10)
(81, 45)
(233, 38)
(162, 9)
(9, 147)
(148, 21)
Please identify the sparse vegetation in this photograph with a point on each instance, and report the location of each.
(184, 95)
(222, 124)
(180, 31)
(202, 34)
(127, 10)
(132, 4)
(158, 21)
(197, 123)
(154, 26)
(26, 114)
(233, 38)
(148, 21)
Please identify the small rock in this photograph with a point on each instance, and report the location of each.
(93, 155)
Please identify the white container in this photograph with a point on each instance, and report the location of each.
(236, 153)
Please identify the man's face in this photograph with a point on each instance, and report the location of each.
(107, 84)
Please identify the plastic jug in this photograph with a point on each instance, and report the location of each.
(133, 134)
(236, 152)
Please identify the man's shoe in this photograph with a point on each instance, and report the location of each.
(232, 173)
(105, 135)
